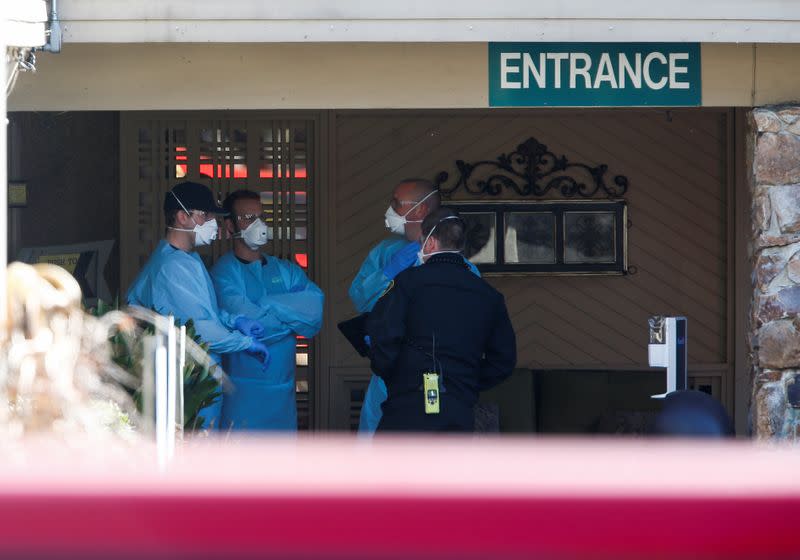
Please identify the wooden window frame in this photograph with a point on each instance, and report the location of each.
(558, 208)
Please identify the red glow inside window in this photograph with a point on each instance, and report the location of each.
(266, 173)
(224, 171)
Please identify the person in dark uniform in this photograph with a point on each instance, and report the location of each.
(439, 333)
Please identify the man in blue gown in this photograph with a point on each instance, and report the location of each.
(174, 281)
(276, 294)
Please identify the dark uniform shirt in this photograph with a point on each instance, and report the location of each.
(439, 317)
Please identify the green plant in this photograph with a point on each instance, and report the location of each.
(200, 388)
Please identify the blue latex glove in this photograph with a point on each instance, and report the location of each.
(401, 260)
(367, 340)
(248, 327)
(258, 350)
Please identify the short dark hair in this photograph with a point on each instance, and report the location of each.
(423, 188)
(230, 200)
(450, 229)
(170, 216)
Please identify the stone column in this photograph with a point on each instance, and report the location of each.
(775, 250)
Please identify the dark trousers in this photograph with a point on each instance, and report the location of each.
(406, 413)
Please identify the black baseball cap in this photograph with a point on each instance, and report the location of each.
(193, 196)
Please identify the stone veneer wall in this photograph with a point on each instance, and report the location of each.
(775, 250)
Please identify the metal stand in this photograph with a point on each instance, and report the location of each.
(168, 350)
(667, 349)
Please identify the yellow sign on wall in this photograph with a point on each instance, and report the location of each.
(17, 194)
(67, 261)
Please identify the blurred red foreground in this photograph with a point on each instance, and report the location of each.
(337, 497)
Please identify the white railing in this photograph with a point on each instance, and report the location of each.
(164, 358)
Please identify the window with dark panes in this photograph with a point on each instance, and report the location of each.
(569, 237)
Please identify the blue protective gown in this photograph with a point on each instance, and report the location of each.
(366, 288)
(174, 282)
(279, 295)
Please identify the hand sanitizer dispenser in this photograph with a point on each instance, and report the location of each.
(667, 349)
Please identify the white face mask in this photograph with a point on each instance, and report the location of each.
(421, 254)
(204, 233)
(255, 235)
(397, 223)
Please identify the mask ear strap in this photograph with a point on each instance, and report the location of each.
(424, 198)
(182, 206)
(179, 201)
(437, 225)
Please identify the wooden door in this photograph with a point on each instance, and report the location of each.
(273, 154)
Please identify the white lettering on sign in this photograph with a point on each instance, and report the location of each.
(674, 70)
(583, 69)
(520, 70)
(557, 59)
(605, 72)
(506, 69)
(634, 72)
(648, 60)
(529, 69)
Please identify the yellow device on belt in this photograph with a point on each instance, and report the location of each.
(430, 387)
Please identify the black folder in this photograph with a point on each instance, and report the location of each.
(354, 330)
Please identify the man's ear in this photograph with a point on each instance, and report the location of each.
(432, 247)
(182, 218)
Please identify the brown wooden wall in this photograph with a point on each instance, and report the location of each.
(70, 162)
(677, 163)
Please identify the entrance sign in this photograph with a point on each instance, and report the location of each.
(594, 74)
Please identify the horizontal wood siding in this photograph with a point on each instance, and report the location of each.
(676, 165)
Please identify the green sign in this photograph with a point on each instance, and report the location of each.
(594, 74)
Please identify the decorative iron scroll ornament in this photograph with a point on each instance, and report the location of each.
(533, 170)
